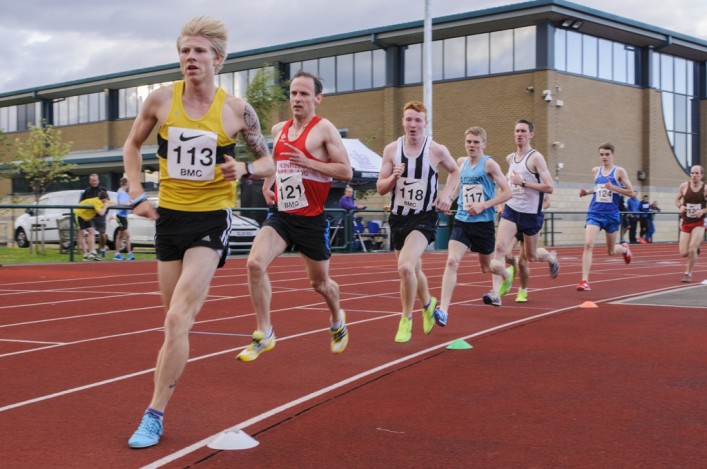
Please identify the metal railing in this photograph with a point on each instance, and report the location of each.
(560, 227)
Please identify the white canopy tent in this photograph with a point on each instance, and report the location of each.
(365, 162)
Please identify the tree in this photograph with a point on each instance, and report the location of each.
(265, 93)
(40, 159)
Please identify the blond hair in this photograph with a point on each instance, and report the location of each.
(212, 29)
(478, 131)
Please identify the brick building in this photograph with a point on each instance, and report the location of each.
(584, 77)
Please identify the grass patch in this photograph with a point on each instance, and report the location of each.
(51, 254)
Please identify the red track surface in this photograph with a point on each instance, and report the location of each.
(546, 384)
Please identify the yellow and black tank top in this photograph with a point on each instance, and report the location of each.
(190, 154)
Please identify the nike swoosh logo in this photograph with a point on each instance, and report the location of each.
(405, 183)
(287, 178)
(184, 138)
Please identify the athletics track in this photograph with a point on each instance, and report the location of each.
(547, 383)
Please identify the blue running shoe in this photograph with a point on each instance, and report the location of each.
(131, 257)
(118, 257)
(440, 317)
(148, 433)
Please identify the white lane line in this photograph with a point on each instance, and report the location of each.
(253, 420)
(151, 370)
(31, 342)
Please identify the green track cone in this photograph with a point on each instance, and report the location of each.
(459, 344)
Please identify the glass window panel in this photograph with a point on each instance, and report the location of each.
(454, 57)
(294, 68)
(413, 64)
(619, 62)
(631, 66)
(121, 104)
(3, 119)
(680, 149)
(226, 81)
(344, 72)
(363, 70)
(560, 49)
(477, 55)
(502, 51)
(655, 70)
(524, 54)
(73, 102)
(101, 106)
(692, 153)
(680, 75)
(252, 72)
(93, 107)
(311, 67)
(327, 73)
(589, 55)
(12, 119)
(690, 78)
(574, 52)
(58, 113)
(83, 108)
(141, 93)
(680, 113)
(692, 110)
(437, 61)
(668, 110)
(666, 72)
(240, 83)
(605, 59)
(671, 138)
(379, 68)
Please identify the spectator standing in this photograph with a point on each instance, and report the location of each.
(644, 208)
(98, 222)
(633, 207)
(97, 207)
(652, 210)
(347, 201)
(122, 238)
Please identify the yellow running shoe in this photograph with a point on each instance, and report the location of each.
(522, 296)
(506, 284)
(428, 320)
(259, 344)
(340, 336)
(404, 330)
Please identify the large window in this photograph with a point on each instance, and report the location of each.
(593, 57)
(80, 109)
(476, 55)
(19, 118)
(675, 78)
(348, 72)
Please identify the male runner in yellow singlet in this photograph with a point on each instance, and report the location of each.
(198, 124)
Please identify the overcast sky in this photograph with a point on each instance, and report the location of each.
(44, 42)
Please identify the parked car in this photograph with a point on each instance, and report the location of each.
(142, 230)
(45, 219)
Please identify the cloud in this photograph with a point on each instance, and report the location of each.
(77, 39)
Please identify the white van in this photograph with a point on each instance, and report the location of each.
(44, 219)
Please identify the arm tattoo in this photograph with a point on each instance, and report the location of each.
(252, 135)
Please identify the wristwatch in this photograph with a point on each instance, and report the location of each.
(249, 169)
(522, 184)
